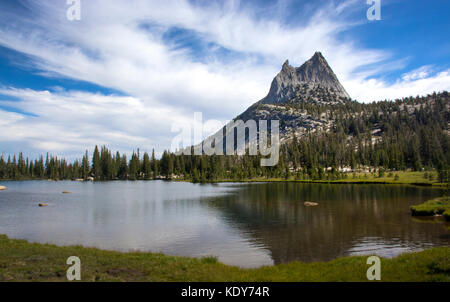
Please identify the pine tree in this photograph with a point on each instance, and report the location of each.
(155, 165)
(96, 164)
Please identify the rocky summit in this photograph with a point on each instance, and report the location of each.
(292, 94)
(314, 81)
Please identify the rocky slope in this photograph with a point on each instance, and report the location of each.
(311, 99)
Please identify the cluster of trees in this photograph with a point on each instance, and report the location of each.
(102, 166)
(410, 133)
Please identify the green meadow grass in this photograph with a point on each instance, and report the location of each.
(398, 177)
(440, 206)
(23, 261)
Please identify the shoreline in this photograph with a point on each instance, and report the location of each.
(24, 261)
(356, 182)
(434, 207)
(259, 180)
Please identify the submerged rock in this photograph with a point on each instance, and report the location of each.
(311, 204)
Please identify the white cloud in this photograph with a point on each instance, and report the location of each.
(65, 121)
(417, 74)
(376, 90)
(7, 118)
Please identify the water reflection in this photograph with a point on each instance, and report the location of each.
(243, 224)
(350, 219)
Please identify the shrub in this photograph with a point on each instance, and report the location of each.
(209, 260)
(432, 207)
(446, 215)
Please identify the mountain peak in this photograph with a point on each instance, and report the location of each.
(319, 60)
(318, 71)
(318, 55)
(315, 73)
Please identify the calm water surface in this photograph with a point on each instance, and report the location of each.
(248, 225)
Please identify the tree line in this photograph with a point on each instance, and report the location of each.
(410, 133)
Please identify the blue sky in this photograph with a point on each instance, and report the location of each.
(129, 72)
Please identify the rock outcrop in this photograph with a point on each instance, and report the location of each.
(314, 74)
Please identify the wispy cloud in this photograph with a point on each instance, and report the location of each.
(132, 47)
(419, 73)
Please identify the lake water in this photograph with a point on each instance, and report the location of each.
(248, 225)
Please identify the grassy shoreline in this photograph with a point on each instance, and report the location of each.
(24, 261)
(437, 206)
(403, 178)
